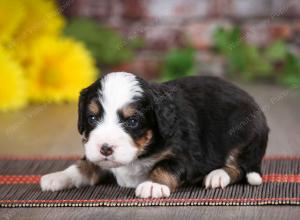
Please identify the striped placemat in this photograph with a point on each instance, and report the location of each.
(19, 178)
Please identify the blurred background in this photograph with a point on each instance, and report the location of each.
(50, 50)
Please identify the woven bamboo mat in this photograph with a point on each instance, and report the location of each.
(19, 178)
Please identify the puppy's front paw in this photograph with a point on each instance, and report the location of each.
(217, 178)
(55, 181)
(150, 189)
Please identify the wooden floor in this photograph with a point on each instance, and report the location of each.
(51, 130)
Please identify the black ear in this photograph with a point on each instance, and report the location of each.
(81, 110)
(165, 111)
(85, 95)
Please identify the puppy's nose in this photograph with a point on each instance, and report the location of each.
(106, 150)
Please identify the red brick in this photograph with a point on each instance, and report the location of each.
(163, 37)
(177, 9)
(144, 65)
(137, 29)
(256, 33)
(200, 34)
(210, 63)
(133, 9)
(280, 31)
(295, 38)
(94, 8)
(250, 8)
(221, 8)
(287, 8)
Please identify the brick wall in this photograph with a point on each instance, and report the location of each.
(168, 23)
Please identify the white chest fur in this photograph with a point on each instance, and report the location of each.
(134, 173)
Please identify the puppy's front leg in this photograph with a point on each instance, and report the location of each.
(163, 179)
(79, 174)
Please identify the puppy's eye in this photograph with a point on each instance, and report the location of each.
(92, 119)
(132, 122)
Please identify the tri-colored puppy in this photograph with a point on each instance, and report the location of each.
(157, 137)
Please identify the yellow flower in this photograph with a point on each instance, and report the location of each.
(11, 16)
(59, 68)
(41, 18)
(13, 84)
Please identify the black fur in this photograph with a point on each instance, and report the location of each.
(86, 95)
(212, 120)
(200, 120)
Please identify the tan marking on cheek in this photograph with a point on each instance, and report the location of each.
(128, 111)
(144, 140)
(94, 108)
(161, 176)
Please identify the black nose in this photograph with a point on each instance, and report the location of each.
(106, 150)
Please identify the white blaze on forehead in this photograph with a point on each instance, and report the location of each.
(118, 89)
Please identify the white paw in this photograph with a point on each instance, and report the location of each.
(254, 178)
(217, 178)
(150, 189)
(55, 181)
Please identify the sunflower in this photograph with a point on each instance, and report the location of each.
(11, 16)
(13, 84)
(59, 68)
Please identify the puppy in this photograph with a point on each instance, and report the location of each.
(157, 137)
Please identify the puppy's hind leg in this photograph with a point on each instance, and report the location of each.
(251, 159)
(240, 163)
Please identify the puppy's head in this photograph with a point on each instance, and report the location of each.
(115, 119)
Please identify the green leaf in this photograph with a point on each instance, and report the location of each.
(179, 62)
(276, 51)
(106, 45)
(249, 62)
(291, 73)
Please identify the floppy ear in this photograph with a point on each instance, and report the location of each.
(165, 111)
(81, 110)
(82, 103)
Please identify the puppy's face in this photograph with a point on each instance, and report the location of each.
(114, 120)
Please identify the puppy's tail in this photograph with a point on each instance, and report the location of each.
(254, 178)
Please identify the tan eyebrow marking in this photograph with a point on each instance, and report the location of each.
(94, 107)
(128, 111)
